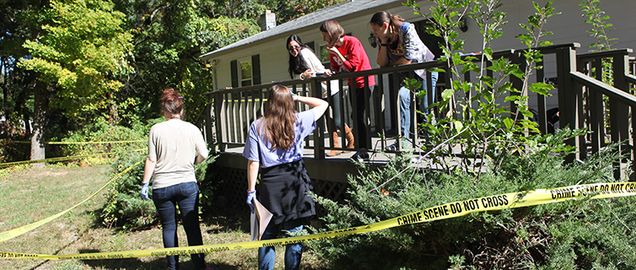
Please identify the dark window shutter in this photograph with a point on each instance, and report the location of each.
(234, 71)
(256, 70)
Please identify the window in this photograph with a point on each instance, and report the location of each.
(245, 71)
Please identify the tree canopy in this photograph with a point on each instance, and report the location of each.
(66, 64)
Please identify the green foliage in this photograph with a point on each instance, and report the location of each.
(575, 234)
(474, 116)
(101, 131)
(124, 207)
(599, 24)
(598, 20)
(82, 52)
(167, 48)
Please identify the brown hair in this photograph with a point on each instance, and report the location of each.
(332, 28)
(279, 120)
(171, 102)
(381, 17)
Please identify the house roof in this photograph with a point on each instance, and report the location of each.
(310, 20)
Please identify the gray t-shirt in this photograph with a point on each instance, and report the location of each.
(174, 145)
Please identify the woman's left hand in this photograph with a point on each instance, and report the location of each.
(250, 199)
(307, 74)
(333, 50)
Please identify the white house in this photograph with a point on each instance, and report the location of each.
(262, 58)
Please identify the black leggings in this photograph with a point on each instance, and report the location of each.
(360, 127)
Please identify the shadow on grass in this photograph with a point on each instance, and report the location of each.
(133, 263)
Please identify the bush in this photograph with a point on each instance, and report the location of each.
(124, 207)
(567, 235)
(101, 131)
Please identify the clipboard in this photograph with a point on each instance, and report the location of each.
(259, 219)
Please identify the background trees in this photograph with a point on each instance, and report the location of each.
(67, 64)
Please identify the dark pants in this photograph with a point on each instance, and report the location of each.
(360, 127)
(335, 123)
(186, 195)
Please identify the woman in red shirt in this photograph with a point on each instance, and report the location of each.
(346, 54)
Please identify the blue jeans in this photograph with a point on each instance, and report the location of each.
(293, 252)
(186, 195)
(405, 104)
(424, 104)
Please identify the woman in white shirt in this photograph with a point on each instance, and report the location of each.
(173, 147)
(304, 64)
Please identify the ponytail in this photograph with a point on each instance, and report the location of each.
(379, 18)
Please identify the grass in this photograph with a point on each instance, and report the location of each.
(30, 194)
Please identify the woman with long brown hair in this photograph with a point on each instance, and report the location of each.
(274, 148)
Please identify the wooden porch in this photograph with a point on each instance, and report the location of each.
(583, 101)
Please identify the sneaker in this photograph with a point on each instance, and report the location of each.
(361, 155)
(404, 145)
(391, 148)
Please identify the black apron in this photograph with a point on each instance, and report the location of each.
(284, 191)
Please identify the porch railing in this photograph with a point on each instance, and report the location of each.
(580, 95)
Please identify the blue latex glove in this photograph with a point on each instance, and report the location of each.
(144, 192)
(250, 199)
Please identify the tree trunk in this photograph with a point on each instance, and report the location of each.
(113, 114)
(6, 93)
(39, 122)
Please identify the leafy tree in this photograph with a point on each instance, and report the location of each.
(169, 37)
(17, 23)
(79, 56)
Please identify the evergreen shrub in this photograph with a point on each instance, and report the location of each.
(569, 235)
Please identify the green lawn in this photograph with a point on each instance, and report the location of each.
(32, 194)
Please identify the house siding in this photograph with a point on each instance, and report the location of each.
(567, 27)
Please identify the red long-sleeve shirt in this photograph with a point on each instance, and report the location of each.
(356, 60)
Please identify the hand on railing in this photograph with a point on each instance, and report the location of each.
(307, 74)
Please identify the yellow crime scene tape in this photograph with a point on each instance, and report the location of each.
(67, 143)
(4, 236)
(57, 159)
(440, 212)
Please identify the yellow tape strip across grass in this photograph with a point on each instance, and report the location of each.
(440, 212)
(55, 159)
(4, 236)
(65, 143)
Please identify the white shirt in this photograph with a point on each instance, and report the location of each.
(174, 145)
